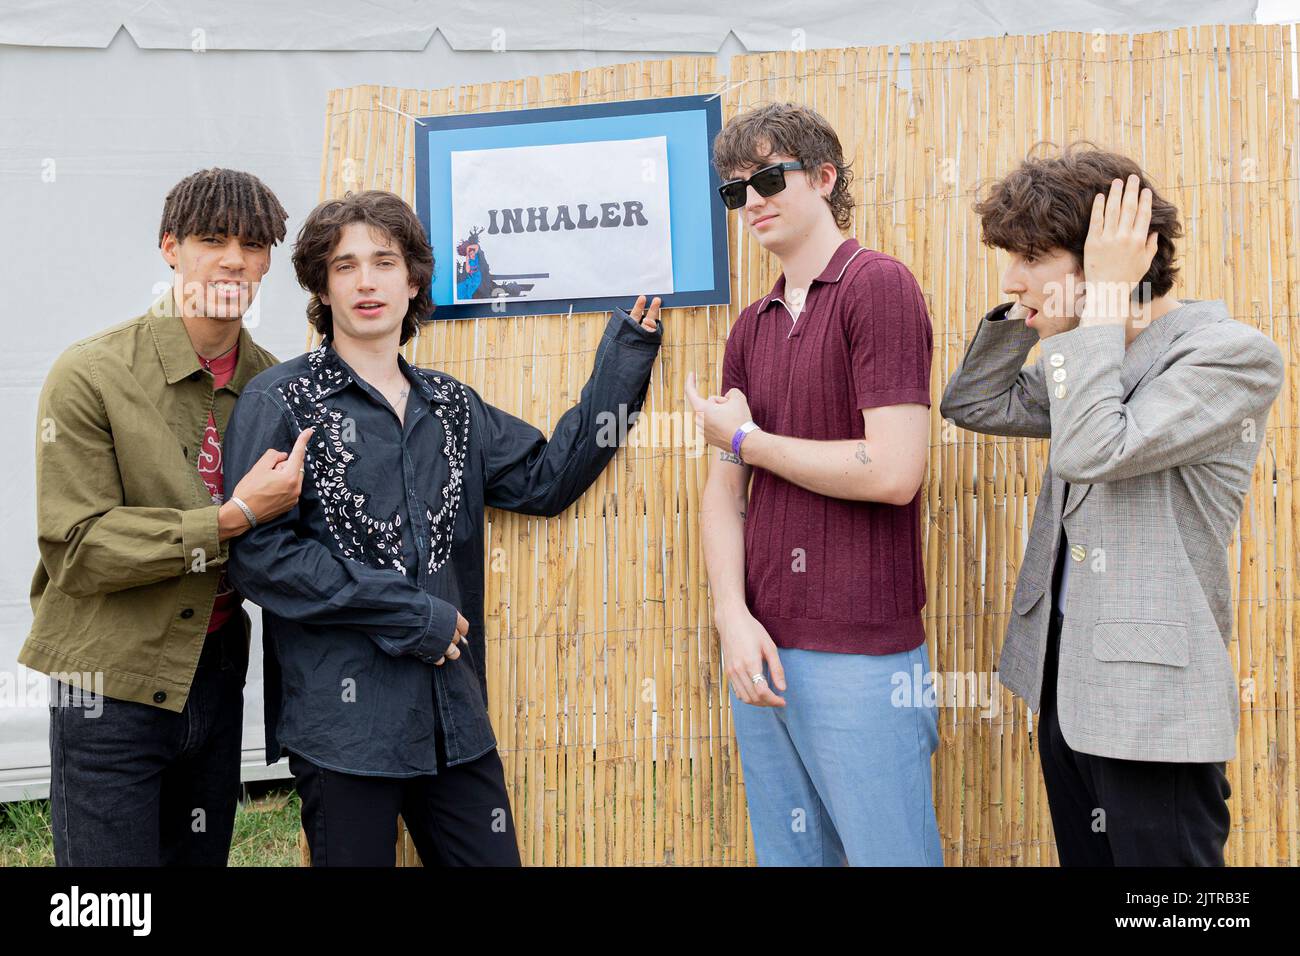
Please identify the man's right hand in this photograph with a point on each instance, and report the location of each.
(271, 486)
(746, 646)
(462, 629)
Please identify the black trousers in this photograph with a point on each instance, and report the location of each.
(459, 816)
(135, 785)
(1110, 812)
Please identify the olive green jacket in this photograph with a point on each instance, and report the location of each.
(130, 554)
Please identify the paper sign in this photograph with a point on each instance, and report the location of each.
(564, 221)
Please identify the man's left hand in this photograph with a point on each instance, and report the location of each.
(1117, 252)
(649, 318)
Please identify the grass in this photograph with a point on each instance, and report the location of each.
(266, 831)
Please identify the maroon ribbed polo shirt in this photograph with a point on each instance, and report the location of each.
(824, 573)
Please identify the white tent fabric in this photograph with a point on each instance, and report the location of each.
(623, 25)
(97, 122)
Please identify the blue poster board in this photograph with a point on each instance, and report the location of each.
(698, 220)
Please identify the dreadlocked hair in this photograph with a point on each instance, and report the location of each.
(223, 202)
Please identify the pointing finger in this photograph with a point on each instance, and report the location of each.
(300, 448)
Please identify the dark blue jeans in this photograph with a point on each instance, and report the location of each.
(136, 785)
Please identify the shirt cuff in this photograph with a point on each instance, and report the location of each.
(1012, 335)
(628, 331)
(439, 632)
(201, 532)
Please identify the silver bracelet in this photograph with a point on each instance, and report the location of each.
(248, 512)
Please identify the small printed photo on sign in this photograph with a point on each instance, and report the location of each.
(571, 220)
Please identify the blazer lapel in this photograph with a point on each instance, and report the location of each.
(1139, 359)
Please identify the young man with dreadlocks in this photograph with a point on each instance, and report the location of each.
(135, 622)
(372, 586)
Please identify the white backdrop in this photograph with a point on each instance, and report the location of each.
(98, 120)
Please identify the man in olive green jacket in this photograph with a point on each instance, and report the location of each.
(144, 640)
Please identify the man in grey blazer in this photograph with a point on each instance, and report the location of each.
(1156, 409)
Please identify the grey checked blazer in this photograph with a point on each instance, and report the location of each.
(1158, 442)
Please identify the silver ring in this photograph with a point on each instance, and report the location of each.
(758, 677)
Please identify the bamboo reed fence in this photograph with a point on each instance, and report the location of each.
(604, 678)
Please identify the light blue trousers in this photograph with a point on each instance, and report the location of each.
(841, 775)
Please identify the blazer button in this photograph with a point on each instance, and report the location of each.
(188, 612)
(160, 696)
(1078, 552)
(1057, 359)
(1060, 391)
(1058, 375)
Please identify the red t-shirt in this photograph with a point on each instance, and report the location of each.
(222, 368)
(823, 573)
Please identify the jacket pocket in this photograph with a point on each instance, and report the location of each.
(1154, 642)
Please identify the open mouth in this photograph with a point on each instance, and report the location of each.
(370, 308)
(1029, 318)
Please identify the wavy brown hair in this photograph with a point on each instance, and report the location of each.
(753, 138)
(1046, 202)
(380, 210)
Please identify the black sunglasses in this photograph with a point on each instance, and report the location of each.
(768, 181)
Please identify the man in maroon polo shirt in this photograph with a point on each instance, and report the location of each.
(825, 404)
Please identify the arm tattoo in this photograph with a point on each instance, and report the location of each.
(728, 456)
(862, 453)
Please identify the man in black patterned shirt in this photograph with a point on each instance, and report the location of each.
(372, 587)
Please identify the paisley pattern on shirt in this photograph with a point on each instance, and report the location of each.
(455, 428)
(360, 535)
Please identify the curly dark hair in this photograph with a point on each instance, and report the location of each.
(753, 138)
(383, 211)
(223, 202)
(1046, 202)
